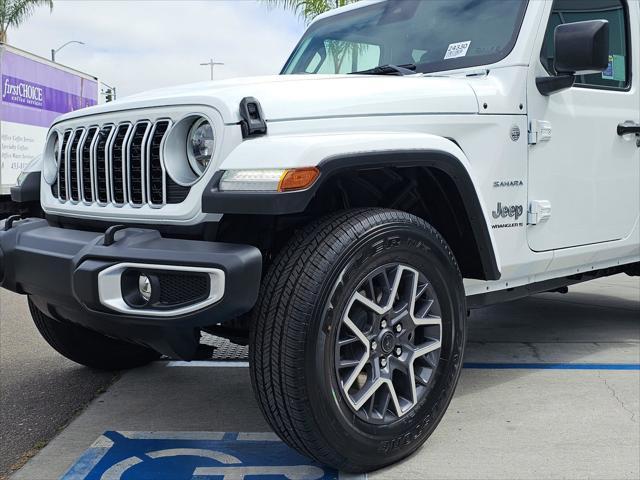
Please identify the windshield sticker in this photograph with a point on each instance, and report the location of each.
(615, 69)
(456, 50)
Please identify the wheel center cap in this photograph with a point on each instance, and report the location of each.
(387, 342)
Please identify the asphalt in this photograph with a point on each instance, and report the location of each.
(545, 395)
(40, 391)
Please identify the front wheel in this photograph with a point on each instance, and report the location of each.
(357, 338)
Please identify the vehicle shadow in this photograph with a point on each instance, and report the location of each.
(575, 328)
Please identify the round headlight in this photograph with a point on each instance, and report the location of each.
(200, 145)
(51, 159)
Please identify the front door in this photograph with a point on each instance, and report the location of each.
(586, 171)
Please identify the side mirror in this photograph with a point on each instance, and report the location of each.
(581, 48)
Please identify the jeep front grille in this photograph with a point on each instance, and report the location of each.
(116, 164)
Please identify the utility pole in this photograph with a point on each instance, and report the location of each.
(211, 64)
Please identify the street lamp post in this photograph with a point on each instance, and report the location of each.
(56, 50)
(211, 64)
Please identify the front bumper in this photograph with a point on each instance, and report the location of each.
(60, 270)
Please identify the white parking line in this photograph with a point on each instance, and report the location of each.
(171, 435)
(258, 437)
(208, 363)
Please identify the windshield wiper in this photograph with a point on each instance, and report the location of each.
(406, 69)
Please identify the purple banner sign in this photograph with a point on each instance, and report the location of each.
(23, 92)
(35, 93)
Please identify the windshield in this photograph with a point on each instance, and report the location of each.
(435, 35)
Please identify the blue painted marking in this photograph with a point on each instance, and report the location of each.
(205, 456)
(554, 366)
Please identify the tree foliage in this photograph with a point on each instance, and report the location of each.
(308, 9)
(14, 12)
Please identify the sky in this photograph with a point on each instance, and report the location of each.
(138, 45)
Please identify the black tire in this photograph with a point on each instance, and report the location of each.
(90, 348)
(293, 344)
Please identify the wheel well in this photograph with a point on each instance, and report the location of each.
(427, 192)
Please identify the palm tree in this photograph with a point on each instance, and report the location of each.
(308, 9)
(15, 12)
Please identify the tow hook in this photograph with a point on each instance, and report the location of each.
(8, 224)
(110, 234)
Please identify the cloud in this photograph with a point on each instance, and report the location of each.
(144, 44)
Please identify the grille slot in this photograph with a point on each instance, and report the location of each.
(155, 171)
(100, 165)
(74, 189)
(54, 187)
(136, 163)
(85, 162)
(62, 168)
(116, 165)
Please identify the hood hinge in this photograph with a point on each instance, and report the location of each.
(253, 122)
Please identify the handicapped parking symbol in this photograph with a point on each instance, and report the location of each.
(193, 456)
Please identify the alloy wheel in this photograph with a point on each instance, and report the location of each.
(388, 343)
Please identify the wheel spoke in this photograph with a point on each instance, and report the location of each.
(396, 286)
(363, 360)
(363, 396)
(394, 398)
(372, 404)
(421, 290)
(348, 363)
(348, 341)
(385, 402)
(371, 305)
(372, 290)
(385, 275)
(419, 352)
(424, 310)
(425, 348)
(428, 320)
(356, 331)
(414, 290)
(430, 361)
(354, 375)
(420, 380)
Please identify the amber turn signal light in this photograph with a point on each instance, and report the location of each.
(298, 179)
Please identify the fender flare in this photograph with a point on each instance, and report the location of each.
(28, 190)
(451, 160)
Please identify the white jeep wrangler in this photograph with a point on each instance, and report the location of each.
(415, 159)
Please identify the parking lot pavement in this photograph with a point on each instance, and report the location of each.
(39, 390)
(551, 390)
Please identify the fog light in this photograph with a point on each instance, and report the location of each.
(144, 287)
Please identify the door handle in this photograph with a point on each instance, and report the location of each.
(628, 127)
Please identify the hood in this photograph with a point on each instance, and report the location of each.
(290, 97)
